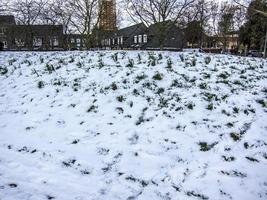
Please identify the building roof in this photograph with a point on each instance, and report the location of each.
(154, 29)
(7, 20)
(131, 29)
(40, 30)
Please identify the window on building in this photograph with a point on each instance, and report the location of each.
(78, 42)
(19, 42)
(5, 44)
(136, 39)
(109, 42)
(118, 41)
(121, 40)
(140, 39)
(113, 41)
(54, 42)
(145, 38)
(37, 41)
(72, 40)
(3, 30)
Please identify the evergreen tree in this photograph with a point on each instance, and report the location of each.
(252, 34)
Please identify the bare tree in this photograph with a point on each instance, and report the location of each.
(200, 14)
(28, 12)
(3, 6)
(58, 12)
(84, 18)
(157, 12)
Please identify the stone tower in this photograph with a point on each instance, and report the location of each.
(107, 15)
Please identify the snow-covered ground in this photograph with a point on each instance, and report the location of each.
(132, 125)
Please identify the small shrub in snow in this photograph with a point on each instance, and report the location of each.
(115, 57)
(152, 59)
(225, 112)
(204, 146)
(56, 82)
(76, 85)
(101, 63)
(176, 83)
(79, 64)
(163, 103)
(131, 104)
(130, 63)
(140, 78)
(134, 139)
(236, 110)
(49, 68)
(210, 107)
(3, 70)
(230, 125)
(237, 82)
(12, 185)
(181, 57)
(194, 61)
(92, 108)
(228, 159)
(158, 76)
(169, 63)
(61, 61)
(114, 86)
(252, 159)
(203, 86)
(40, 84)
(207, 60)
(261, 102)
(234, 173)
(160, 90)
(68, 163)
(223, 75)
(85, 172)
(123, 54)
(26, 62)
(190, 106)
(210, 96)
(235, 136)
(160, 57)
(120, 98)
(140, 120)
(75, 141)
(206, 76)
(120, 110)
(10, 62)
(139, 58)
(72, 60)
(194, 194)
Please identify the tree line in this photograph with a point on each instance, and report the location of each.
(198, 18)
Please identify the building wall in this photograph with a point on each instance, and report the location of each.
(35, 37)
(141, 37)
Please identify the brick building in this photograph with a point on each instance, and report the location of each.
(107, 15)
(30, 37)
(5, 22)
(146, 38)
